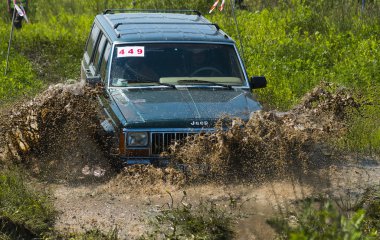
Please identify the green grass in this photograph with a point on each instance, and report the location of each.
(364, 132)
(296, 48)
(183, 220)
(26, 212)
(323, 219)
(23, 206)
(292, 44)
(298, 45)
(21, 78)
(94, 234)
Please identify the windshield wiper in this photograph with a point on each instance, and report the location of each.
(159, 83)
(167, 84)
(122, 81)
(207, 82)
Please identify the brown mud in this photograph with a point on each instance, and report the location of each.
(54, 135)
(265, 164)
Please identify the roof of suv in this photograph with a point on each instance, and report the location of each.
(159, 27)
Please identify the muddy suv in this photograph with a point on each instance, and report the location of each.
(166, 75)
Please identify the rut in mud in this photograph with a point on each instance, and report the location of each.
(55, 137)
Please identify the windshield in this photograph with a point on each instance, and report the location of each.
(185, 64)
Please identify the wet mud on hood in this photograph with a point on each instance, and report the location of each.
(180, 107)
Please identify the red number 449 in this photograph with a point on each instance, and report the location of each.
(135, 51)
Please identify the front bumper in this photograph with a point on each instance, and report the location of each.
(156, 161)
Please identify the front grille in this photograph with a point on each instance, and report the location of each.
(161, 141)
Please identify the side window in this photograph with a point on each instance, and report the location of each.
(99, 52)
(103, 64)
(91, 42)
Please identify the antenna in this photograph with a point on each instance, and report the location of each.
(237, 28)
(10, 42)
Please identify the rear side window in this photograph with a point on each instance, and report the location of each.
(91, 42)
(99, 51)
(103, 64)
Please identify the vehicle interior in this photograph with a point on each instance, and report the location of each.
(178, 61)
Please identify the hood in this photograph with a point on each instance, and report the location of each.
(184, 107)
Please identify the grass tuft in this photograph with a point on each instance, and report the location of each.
(22, 210)
(206, 220)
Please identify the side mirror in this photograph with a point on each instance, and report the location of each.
(258, 82)
(93, 80)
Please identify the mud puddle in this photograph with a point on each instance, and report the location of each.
(264, 165)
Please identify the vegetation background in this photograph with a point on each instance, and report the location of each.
(296, 44)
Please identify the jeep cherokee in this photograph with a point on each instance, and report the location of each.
(166, 75)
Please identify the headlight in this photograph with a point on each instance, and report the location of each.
(137, 139)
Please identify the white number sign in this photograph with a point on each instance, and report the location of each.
(131, 51)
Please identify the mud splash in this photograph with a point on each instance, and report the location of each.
(271, 144)
(55, 136)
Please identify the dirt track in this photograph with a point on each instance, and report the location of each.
(112, 203)
(86, 207)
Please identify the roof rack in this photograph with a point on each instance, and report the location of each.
(118, 34)
(111, 11)
(115, 26)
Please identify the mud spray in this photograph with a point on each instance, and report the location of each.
(274, 156)
(53, 135)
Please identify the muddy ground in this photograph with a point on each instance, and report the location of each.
(113, 203)
(53, 137)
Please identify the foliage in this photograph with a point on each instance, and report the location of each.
(93, 7)
(55, 45)
(322, 220)
(93, 234)
(21, 78)
(19, 81)
(296, 48)
(299, 44)
(292, 43)
(22, 206)
(364, 132)
(185, 221)
(370, 201)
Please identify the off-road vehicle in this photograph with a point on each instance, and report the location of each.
(166, 75)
